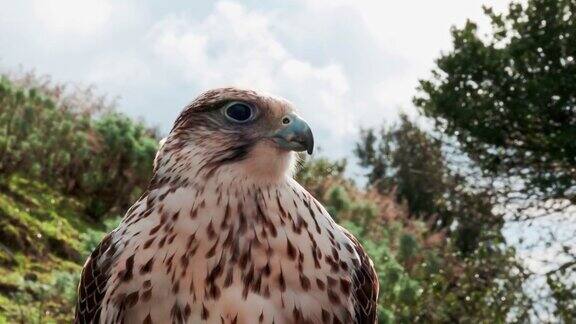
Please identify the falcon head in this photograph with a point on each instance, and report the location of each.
(237, 133)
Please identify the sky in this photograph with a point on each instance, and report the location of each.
(344, 64)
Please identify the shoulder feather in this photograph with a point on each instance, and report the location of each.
(93, 282)
(365, 285)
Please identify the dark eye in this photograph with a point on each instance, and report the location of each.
(238, 112)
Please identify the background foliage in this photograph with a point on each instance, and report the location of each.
(431, 214)
(508, 101)
(74, 142)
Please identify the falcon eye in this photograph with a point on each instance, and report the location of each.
(239, 112)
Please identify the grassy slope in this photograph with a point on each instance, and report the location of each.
(44, 238)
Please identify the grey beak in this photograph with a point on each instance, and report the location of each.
(295, 135)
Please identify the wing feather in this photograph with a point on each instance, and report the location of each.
(93, 283)
(365, 286)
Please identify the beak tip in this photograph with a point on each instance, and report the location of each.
(309, 141)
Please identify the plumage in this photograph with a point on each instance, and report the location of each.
(224, 234)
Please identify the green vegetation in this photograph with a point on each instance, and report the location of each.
(41, 251)
(462, 271)
(508, 101)
(74, 142)
(68, 165)
(49, 223)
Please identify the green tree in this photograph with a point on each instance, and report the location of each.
(125, 151)
(74, 142)
(510, 99)
(407, 162)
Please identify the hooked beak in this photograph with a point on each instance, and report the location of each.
(295, 135)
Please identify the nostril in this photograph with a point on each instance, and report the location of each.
(286, 120)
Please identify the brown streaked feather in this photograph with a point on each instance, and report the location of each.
(93, 281)
(364, 286)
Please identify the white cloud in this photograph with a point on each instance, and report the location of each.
(415, 32)
(237, 46)
(119, 71)
(82, 17)
(231, 45)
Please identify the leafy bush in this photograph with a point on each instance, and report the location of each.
(78, 146)
(424, 277)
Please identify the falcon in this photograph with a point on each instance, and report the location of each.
(224, 234)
